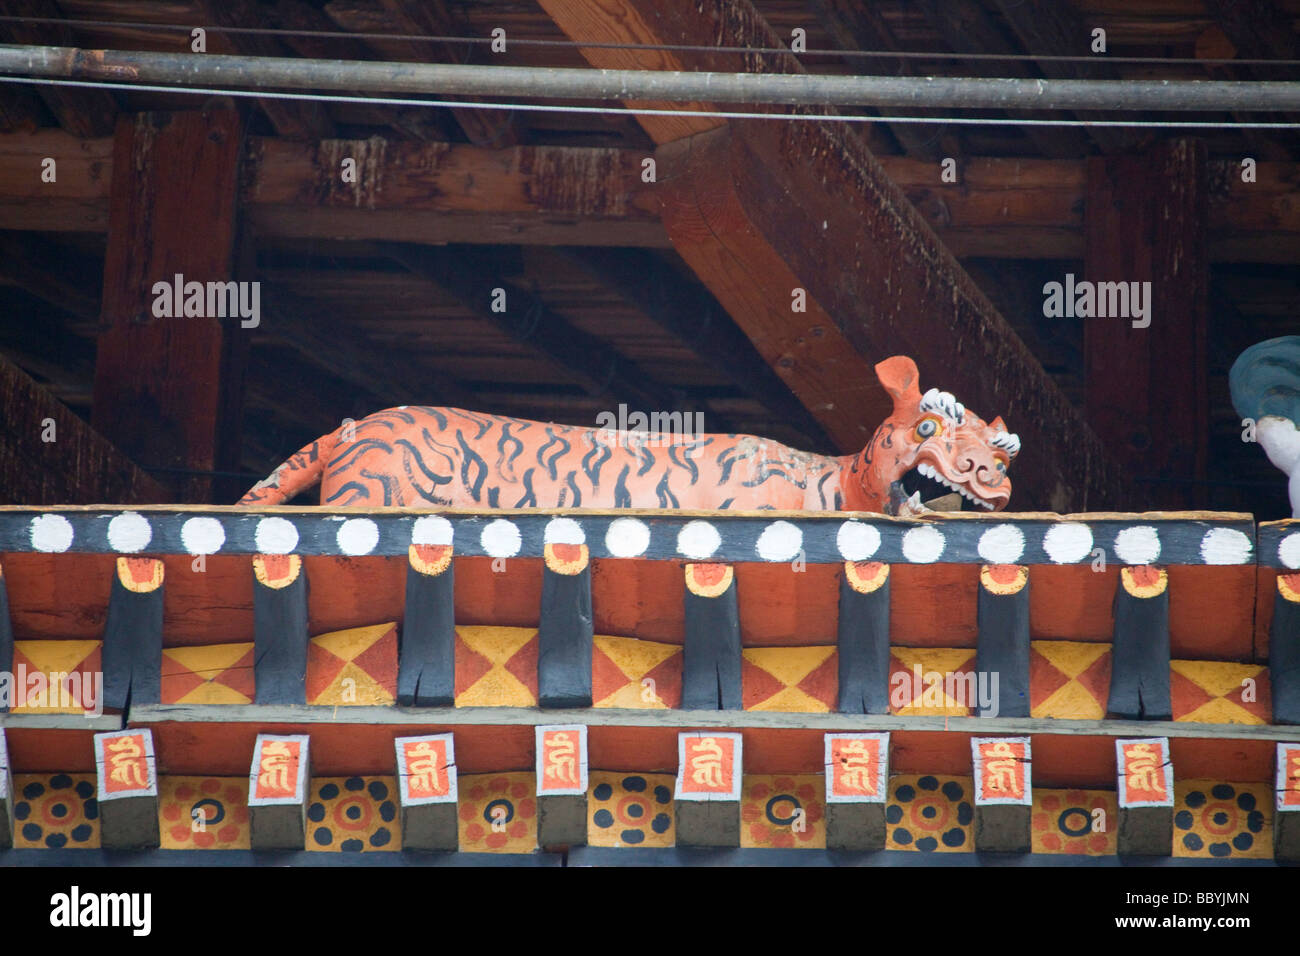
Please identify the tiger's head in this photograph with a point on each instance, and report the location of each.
(932, 446)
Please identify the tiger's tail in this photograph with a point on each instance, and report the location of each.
(295, 475)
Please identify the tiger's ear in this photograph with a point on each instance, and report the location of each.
(899, 375)
(998, 425)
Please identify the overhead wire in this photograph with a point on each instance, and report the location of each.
(649, 111)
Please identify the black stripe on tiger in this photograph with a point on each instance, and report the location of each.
(471, 457)
(529, 500)
(601, 453)
(622, 498)
(506, 463)
(392, 490)
(355, 448)
(665, 495)
(359, 492)
(577, 495)
(550, 464)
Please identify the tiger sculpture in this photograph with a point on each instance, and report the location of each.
(413, 456)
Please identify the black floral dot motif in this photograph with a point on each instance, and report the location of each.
(1236, 818)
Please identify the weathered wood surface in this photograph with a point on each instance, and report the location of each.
(1001, 207)
(174, 215)
(1146, 392)
(80, 465)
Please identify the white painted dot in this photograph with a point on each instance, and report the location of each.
(1225, 546)
(1068, 543)
(698, 540)
(627, 537)
(51, 533)
(500, 539)
(431, 529)
(1288, 550)
(357, 536)
(275, 536)
(857, 541)
(923, 545)
(563, 531)
(1003, 544)
(780, 541)
(1137, 546)
(129, 532)
(202, 535)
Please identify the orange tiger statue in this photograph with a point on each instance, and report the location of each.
(417, 456)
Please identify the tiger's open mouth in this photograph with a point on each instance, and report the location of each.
(930, 484)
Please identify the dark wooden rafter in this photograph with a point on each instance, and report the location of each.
(294, 119)
(1146, 389)
(1052, 28)
(860, 26)
(79, 467)
(1257, 30)
(690, 314)
(967, 26)
(173, 214)
(877, 280)
(82, 112)
(591, 363)
(490, 128)
(306, 21)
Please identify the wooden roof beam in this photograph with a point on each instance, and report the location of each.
(762, 209)
(1006, 208)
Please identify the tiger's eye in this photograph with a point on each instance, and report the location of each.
(926, 429)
